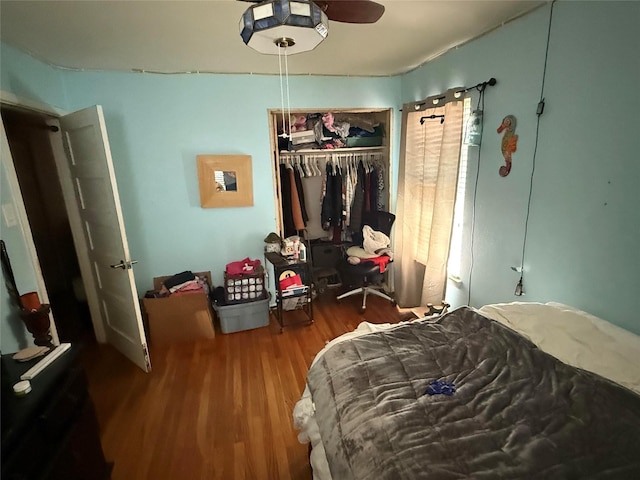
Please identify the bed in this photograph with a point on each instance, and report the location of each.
(513, 391)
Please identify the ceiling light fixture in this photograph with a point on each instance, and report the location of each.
(301, 24)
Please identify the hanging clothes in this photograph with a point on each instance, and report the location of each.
(357, 205)
(331, 214)
(300, 190)
(350, 185)
(296, 209)
(367, 192)
(380, 203)
(373, 191)
(285, 201)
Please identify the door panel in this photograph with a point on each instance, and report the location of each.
(103, 241)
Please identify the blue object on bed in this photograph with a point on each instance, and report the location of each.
(441, 388)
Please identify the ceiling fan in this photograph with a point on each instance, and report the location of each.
(347, 11)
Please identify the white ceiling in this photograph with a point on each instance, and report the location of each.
(187, 36)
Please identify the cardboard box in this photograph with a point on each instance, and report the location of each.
(179, 317)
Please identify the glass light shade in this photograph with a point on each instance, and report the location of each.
(301, 22)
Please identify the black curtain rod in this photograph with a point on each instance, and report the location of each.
(481, 86)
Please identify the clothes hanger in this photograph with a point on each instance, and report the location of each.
(307, 167)
(334, 164)
(314, 166)
(299, 166)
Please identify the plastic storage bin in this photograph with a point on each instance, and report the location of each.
(243, 316)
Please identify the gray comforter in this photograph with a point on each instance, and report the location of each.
(516, 413)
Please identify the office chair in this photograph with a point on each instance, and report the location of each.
(366, 275)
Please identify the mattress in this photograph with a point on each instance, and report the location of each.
(349, 395)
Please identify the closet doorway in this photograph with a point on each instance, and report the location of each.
(318, 137)
(85, 176)
(332, 167)
(28, 136)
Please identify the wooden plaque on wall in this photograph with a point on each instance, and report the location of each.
(225, 181)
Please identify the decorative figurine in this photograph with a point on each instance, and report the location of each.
(509, 142)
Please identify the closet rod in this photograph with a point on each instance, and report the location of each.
(325, 151)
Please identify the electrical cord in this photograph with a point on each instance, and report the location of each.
(539, 111)
(475, 190)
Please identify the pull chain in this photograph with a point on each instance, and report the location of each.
(284, 125)
(286, 69)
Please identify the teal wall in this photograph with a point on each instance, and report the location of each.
(584, 226)
(29, 78)
(157, 124)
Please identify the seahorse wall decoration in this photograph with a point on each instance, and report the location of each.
(509, 142)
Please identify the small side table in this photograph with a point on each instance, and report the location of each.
(297, 301)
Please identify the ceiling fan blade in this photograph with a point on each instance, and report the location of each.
(347, 11)
(351, 11)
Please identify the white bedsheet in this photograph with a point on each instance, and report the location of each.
(575, 337)
(571, 335)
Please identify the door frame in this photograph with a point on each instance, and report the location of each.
(59, 154)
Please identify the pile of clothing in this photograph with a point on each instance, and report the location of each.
(375, 248)
(330, 130)
(180, 284)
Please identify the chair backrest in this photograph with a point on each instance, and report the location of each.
(380, 221)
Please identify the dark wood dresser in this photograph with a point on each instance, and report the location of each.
(52, 432)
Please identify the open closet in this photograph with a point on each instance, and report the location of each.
(330, 167)
(329, 151)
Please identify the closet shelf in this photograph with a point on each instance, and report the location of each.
(324, 151)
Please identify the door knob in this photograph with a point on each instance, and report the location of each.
(124, 265)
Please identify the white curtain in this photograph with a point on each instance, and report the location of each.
(427, 183)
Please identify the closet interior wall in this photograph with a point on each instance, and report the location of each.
(313, 162)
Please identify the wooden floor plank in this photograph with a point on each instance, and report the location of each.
(220, 408)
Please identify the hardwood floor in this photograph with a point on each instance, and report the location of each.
(222, 408)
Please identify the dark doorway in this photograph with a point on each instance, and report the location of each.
(33, 158)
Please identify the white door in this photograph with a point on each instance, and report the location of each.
(91, 194)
